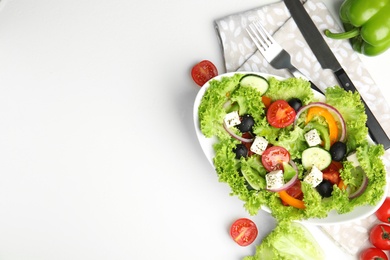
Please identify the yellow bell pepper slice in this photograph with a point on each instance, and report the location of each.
(332, 124)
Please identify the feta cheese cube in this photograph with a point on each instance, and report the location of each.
(314, 177)
(259, 145)
(274, 179)
(313, 138)
(232, 119)
(353, 159)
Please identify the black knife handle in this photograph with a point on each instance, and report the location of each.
(375, 129)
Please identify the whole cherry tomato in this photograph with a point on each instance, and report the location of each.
(383, 213)
(380, 236)
(372, 253)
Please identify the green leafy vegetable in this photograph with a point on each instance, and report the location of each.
(288, 241)
(351, 107)
(226, 94)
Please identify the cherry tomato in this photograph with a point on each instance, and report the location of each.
(273, 158)
(372, 253)
(380, 236)
(383, 213)
(295, 192)
(243, 231)
(203, 72)
(332, 172)
(296, 203)
(248, 145)
(280, 114)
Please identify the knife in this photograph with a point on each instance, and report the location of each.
(328, 60)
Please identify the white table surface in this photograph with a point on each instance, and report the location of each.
(98, 154)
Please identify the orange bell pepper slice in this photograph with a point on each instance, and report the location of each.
(291, 200)
(266, 101)
(342, 185)
(332, 124)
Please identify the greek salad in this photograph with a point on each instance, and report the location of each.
(282, 146)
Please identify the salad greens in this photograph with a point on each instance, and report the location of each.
(288, 241)
(225, 94)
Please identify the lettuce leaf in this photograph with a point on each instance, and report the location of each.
(288, 241)
(289, 88)
(349, 104)
(213, 108)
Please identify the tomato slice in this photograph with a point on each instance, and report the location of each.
(273, 158)
(203, 72)
(248, 145)
(295, 190)
(332, 172)
(243, 231)
(280, 114)
(293, 196)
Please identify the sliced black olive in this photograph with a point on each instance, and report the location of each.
(295, 103)
(240, 151)
(246, 124)
(325, 188)
(338, 150)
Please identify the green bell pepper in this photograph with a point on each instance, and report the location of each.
(366, 24)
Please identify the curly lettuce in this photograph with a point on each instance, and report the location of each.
(349, 104)
(211, 110)
(225, 95)
(288, 241)
(291, 87)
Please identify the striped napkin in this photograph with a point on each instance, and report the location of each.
(240, 54)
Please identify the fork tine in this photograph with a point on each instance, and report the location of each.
(256, 38)
(264, 33)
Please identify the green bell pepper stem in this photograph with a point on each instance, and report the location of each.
(344, 35)
(366, 24)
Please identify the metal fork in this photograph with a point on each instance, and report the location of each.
(273, 52)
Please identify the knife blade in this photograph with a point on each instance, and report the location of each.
(328, 60)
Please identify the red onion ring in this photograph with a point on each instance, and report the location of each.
(331, 109)
(291, 182)
(361, 189)
(240, 138)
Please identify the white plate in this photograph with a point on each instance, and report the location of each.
(207, 147)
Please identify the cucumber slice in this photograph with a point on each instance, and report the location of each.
(316, 156)
(253, 178)
(256, 81)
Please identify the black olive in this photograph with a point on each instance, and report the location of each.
(246, 124)
(325, 188)
(295, 103)
(240, 151)
(338, 151)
